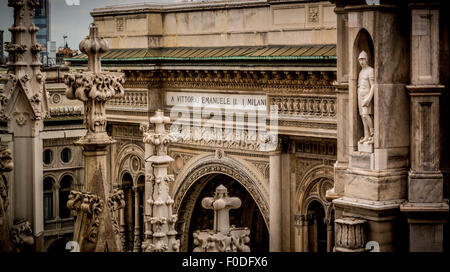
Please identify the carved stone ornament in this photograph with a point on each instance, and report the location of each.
(94, 88)
(22, 235)
(222, 238)
(116, 202)
(350, 235)
(90, 205)
(365, 97)
(159, 221)
(6, 165)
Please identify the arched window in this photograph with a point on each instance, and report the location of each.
(64, 191)
(48, 198)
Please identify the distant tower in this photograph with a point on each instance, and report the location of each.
(42, 20)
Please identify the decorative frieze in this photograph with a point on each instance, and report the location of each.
(227, 138)
(272, 81)
(317, 147)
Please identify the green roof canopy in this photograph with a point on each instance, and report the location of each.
(309, 52)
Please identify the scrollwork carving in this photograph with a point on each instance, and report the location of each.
(89, 204)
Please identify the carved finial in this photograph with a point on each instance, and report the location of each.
(94, 47)
(159, 120)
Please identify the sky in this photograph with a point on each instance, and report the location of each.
(70, 20)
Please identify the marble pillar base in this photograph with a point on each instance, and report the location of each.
(425, 187)
(426, 225)
(376, 185)
(365, 147)
(381, 217)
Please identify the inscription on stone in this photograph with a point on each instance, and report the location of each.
(232, 101)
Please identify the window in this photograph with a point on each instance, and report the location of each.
(48, 198)
(48, 156)
(66, 155)
(64, 191)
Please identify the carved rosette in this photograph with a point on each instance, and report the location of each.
(350, 235)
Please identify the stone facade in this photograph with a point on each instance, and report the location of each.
(309, 185)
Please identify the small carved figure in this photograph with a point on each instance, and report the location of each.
(365, 96)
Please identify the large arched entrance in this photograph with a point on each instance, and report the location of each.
(248, 215)
(201, 181)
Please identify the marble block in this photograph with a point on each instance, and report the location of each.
(365, 147)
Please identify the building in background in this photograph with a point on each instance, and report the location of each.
(42, 20)
(300, 58)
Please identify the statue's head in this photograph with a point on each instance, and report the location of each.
(6, 160)
(363, 59)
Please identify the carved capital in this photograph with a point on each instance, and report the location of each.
(94, 89)
(350, 234)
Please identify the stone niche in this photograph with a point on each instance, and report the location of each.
(376, 174)
(380, 168)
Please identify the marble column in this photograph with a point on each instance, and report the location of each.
(56, 203)
(425, 208)
(96, 228)
(275, 230)
(137, 227)
(129, 219)
(330, 242)
(298, 232)
(122, 229)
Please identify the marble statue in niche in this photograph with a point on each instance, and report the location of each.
(365, 97)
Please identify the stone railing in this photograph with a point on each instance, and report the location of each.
(311, 106)
(131, 100)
